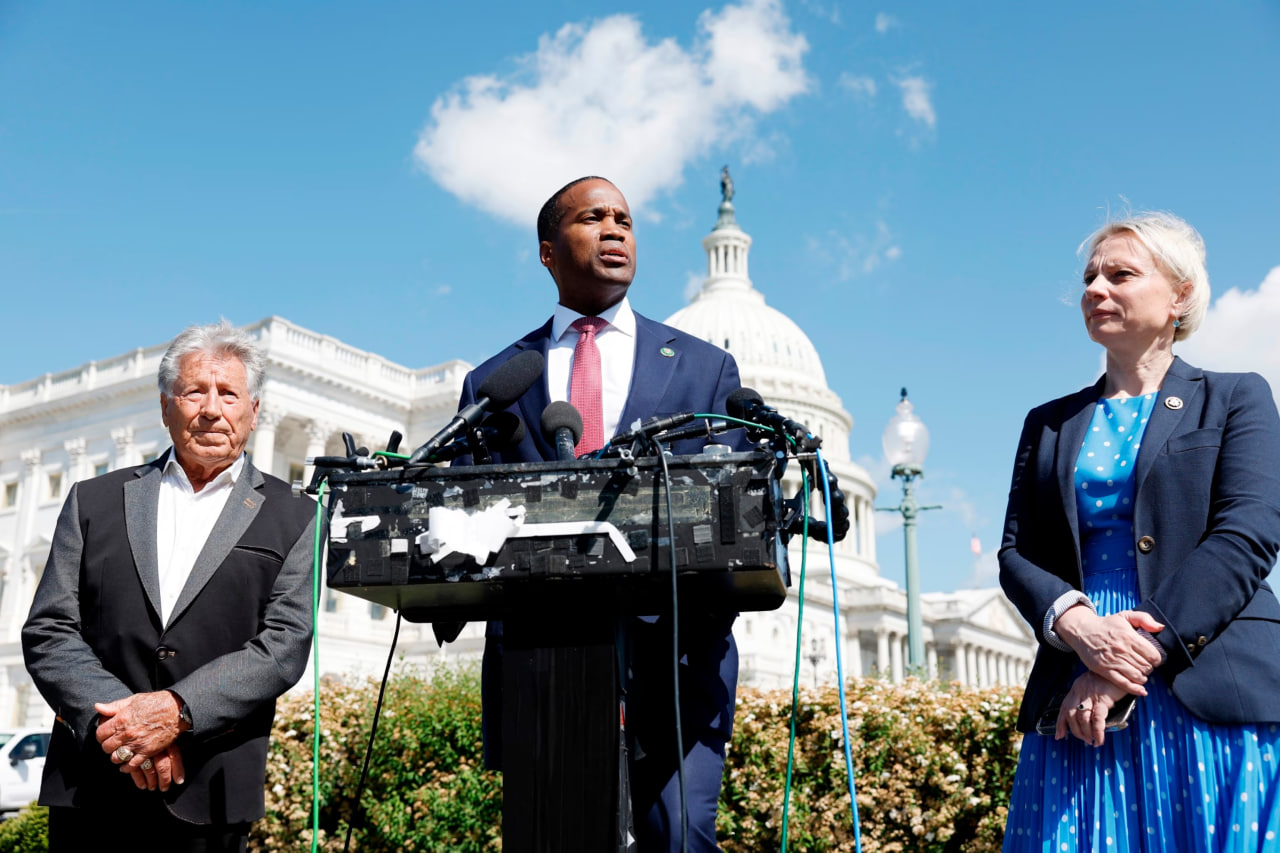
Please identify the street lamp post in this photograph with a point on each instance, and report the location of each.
(906, 443)
(817, 654)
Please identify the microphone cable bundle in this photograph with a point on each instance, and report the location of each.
(471, 433)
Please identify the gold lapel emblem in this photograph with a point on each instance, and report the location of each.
(249, 502)
(1173, 403)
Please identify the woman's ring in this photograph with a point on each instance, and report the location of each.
(1080, 707)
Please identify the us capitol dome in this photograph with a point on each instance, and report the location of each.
(776, 358)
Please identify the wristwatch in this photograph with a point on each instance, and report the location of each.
(184, 718)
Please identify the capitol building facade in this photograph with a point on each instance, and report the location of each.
(60, 428)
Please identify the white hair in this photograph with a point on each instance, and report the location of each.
(1179, 251)
(215, 339)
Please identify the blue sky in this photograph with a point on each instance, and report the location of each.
(916, 178)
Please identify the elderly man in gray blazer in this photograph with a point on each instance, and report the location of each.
(173, 610)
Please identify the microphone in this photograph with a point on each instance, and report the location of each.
(498, 391)
(500, 431)
(745, 404)
(837, 514)
(562, 427)
(651, 426)
(702, 429)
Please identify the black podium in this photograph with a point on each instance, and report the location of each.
(562, 553)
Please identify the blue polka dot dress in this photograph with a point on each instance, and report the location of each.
(1168, 782)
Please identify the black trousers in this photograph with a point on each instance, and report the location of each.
(152, 827)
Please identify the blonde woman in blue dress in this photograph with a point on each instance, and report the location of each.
(1143, 521)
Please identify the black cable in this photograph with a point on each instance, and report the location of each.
(675, 652)
(373, 732)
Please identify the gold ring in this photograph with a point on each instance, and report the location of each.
(146, 764)
(123, 754)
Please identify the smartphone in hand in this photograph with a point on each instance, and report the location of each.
(1117, 717)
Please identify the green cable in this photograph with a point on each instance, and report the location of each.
(315, 652)
(795, 682)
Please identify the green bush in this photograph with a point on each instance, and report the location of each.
(26, 832)
(933, 767)
(426, 791)
(934, 764)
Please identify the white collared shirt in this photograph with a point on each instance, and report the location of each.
(617, 344)
(184, 520)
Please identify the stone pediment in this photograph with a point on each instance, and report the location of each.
(999, 616)
(986, 609)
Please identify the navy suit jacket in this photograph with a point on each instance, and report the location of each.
(694, 377)
(1206, 522)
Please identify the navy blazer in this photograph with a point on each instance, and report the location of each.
(1206, 521)
(673, 372)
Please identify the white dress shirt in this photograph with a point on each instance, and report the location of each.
(617, 344)
(184, 520)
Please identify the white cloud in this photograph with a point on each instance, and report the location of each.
(829, 13)
(885, 22)
(1239, 332)
(599, 98)
(855, 255)
(443, 290)
(916, 100)
(861, 86)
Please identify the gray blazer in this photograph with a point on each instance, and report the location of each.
(238, 637)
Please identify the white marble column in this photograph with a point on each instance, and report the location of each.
(882, 650)
(21, 582)
(931, 661)
(77, 465)
(971, 666)
(961, 674)
(853, 649)
(317, 435)
(264, 440)
(895, 658)
(126, 453)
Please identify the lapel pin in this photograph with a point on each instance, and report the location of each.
(1174, 403)
(249, 503)
(667, 351)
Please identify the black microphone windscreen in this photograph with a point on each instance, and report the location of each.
(741, 400)
(511, 379)
(561, 415)
(508, 430)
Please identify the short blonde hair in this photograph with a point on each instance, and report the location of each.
(1177, 248)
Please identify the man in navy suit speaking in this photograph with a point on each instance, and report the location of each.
(616, 366)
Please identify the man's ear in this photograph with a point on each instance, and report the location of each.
(544, 253)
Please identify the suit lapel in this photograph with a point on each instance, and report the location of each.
(537, 397)
(1077, 413)
(650, 374)
(141, 507)
(243, 505)
(1183, 383)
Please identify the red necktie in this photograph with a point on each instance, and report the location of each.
(585, 387)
